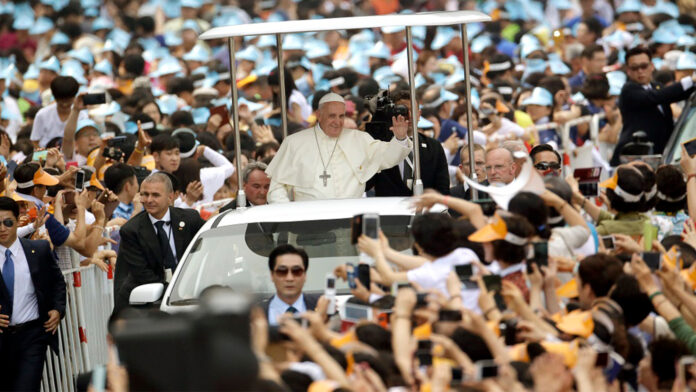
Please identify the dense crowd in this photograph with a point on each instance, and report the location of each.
(117, 143)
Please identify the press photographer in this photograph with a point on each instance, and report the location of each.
(399, 180)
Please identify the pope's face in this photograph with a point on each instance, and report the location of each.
(331, 118)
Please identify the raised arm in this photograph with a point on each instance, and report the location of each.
(70, 126)
(468, 209)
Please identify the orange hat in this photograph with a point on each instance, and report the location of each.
(577, 322)
(95, 183)
(568, 290)
(40, 178)
(497, 230)
(14, 196)
(613, 183)
(610, 183)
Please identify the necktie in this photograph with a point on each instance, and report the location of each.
(169, 260)
(8, 273)
(408, 172)
(291, 310)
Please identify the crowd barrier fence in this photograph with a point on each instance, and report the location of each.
(567, 146)
(82, 332)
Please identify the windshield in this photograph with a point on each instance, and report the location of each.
(688, 133)
(237, 256)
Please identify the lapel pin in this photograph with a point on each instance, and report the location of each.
(181, 225)
(33, 251)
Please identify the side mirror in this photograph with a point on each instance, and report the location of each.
(146, 294)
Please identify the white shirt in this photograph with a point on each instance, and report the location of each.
(296, 168)
(212, 178)
(301, 101)
(12, 129)
(167, 229)
(25, 306)
(507, 128)
(433, 275)
(47, 124)
(277, 308)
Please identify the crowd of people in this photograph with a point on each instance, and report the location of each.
(114, 114)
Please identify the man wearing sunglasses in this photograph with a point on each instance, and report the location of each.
(547, 161)
(32, 302)
(645, 104)
(288, 266)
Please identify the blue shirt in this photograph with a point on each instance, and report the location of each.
(576, 81)
(123, 210)
(447, 127)
(277, 308)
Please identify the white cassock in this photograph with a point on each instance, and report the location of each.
(296, 170)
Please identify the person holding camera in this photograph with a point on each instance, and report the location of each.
(288, 266)
(329, 161)
(50, 121)
(81, 135)
(399, 180)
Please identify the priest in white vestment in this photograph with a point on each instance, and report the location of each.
(328, 161)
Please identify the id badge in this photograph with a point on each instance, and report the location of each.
(167, 275)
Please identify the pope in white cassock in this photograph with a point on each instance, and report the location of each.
(328, 161)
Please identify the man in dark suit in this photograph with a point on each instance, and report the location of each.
(288, 266)
(256, 185)
(153, 241)
(644, 105)
(32, 302)
(398, 180)
(464, 192)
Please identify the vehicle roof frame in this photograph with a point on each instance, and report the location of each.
(439, 18)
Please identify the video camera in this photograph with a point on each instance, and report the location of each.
(191, 352)
(382, 108)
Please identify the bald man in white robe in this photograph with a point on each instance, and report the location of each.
(328, 161)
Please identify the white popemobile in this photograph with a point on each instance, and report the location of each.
(232, 249)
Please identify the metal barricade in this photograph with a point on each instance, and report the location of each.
(82, 332)
(567, 146)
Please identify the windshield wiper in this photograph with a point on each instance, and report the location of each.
(188, 301)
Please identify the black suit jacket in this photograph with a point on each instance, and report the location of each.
(640, 112)
(460, 192)
(232, 206)
(310, 301)
(140, 259)
(48, 281)
(434, 172)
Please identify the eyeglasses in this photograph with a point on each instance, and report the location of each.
(8, 222)
(496, 168)
(636, 67)
(547, 166)
(295, 271)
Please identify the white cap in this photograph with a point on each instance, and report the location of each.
(331, 97)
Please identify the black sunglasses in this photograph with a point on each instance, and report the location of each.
(636, 67)
(295, 271)
(8, 222)
(547, 166)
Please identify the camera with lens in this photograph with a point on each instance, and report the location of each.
(113, 153)
(382, 108)
(191, 351)
(114, 148)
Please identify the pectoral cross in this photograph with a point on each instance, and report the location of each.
(325, 176)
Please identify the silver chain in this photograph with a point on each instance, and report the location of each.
(316, 138)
